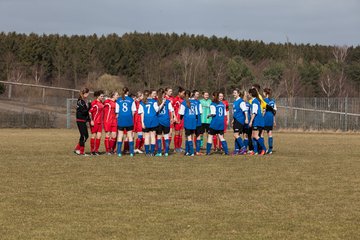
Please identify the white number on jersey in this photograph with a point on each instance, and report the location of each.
(221, 112)
(125, 107)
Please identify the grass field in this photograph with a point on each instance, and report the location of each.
(308, 189)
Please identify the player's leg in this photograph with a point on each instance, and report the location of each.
(130, 137)
(119, 142)
(223, 143)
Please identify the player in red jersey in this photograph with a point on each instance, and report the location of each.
(137, 124)
(217, 144)
(110, 122)
(96, 121)
(179, 124)
(170, 97)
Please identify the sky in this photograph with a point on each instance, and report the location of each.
(325, 22)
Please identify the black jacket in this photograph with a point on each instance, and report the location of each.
(82, 111)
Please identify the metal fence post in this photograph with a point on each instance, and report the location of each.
(286, 112)
(346, 114)
(68, 113)
(43, 95)
(9, 93)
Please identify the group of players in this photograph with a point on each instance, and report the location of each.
(153, 117)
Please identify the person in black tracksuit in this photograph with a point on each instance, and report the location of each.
(82, 117)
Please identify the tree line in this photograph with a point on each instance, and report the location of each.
(147, 60)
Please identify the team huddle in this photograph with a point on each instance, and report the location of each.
(147, 121)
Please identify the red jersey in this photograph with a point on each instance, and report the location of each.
(176, 105)
(96, 111)
(109, 112)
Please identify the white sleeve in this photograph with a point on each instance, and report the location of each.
(156, 106)
(243, 106)
(117, 108)
(255, 108)
(275, 107)
(200, 109)
(226, 112)
(141, 109)
(212, 110)
(182, 110)
(171, 109)
(133, 107)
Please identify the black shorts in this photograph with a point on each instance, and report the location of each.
(152, 129)
(238, 127)
(198, 130)
(268, 128)
(257, 128)
(205, 128)
(214, 132)
(189, 132)
(162, 130)
(130, 128)
(247, 130)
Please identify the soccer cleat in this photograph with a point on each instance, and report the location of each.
(158, 155)
(199, 154)
(119, 155)
(138, 151)
(108, 153)
(166, 154)
(262, 152)
(77, 152)
(269, 151)
(131, 154)
(252, 153)
(235, 152)
(243, 151)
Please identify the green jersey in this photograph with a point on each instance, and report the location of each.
(205, 104)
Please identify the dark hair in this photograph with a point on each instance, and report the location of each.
(187, 96)
(98, 93)
(256, 86)
(82, 92)
(254, 93)
(216, 97)
(112, 94)
(146, 95)
(125, 91)
(180, 89)
(160, 94)
(138, 94)
(268, 91)
(194, 91)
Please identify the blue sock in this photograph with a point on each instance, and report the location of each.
(191, 147)
(167, 145)
(255, 146)
(152, 148)
(186, 146)
(140, 136)
(246, 143)
(159, 146)
(208, 148)
(240, 142)
(262, 144)
(147, 148)
(225, 146)
(236, 146)
(270, 140)
(131, 147)
(119, 146)
(198, 145)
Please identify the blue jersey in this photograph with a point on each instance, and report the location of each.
(256, 109)
(240, 108)
(269, 116)
(248, 106)
(164, 114)
(125, 108)
(149, 110)
(218, 111)
(199, 110)
(190, 114)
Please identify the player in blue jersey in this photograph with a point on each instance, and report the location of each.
(188, 112)
(148, 110)
(218, 113)
(164, 115)
(269, 117)
(240, 118)
(198, 131)
(247, 129)
(125, 109)
(256, 123)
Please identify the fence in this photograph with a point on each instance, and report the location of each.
(28, 105)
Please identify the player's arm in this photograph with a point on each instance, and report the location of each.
(182, 111)
(172, 115)
(245, 111)
(141, 112)
(253, 114)
(133, 109)
(212, 111)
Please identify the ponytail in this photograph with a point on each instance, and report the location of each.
(82, 93)
(187, 96)
(125, 91)
(146, 95)
(160, 94)
(216, 97)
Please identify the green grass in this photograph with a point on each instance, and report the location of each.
(308, 189)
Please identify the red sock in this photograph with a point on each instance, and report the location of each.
(180, 140)
(137, 143)
(97, 145)
(107, 144)
(215, 140)
(77, 147)
(92, 144)
(170, 140)
(176, 141)
(163, 142)
(113, 146)
(82, 150)
(142, 143)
